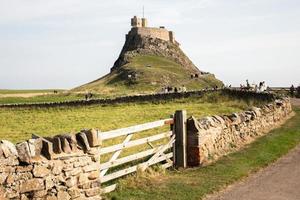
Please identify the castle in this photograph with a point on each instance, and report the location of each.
(140, 27)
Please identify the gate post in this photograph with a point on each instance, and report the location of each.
(180, 139)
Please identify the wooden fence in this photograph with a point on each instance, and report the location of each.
(171, 153)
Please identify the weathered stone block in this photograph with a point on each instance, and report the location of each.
(94, 137)
(47, 149)
(26, 168)
(3, 177)
(63, 195)
(82, 179)
(10, 179)
(91, 167)
(70, 182)
(49, 182)
(40, 171)
(74, 172)
(35, 147)
(23, 197)
(40, 194)
(94, 175)
(65, 145)
(92, 192)
(68, 167)
(8, 148)
(24, 152)
(11, 193)
(57, 146)
(51, 197)
(24, 176)
(32, 185)
(57, 167)
(83, 141)
(74, 192)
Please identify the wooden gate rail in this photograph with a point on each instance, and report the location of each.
(134, 129)
(133, 143)
(157, 154)
(130, 158)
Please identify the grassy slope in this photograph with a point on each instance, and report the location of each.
(163, 72)
(196, 183)
(18, 124)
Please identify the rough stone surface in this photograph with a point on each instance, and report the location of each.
(40, 171)
(94, 137)
(212, 137)
(32, 185)
(62, 195)
(48, 174)
(24, 152)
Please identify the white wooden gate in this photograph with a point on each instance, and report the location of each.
(156, 154)
(173, 145)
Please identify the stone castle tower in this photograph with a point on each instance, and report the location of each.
(139, 26)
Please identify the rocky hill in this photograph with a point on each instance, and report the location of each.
(150, 60)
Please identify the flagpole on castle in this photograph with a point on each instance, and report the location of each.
(143, 12)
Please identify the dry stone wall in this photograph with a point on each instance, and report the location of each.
(212, 137)
(148, 97)
(58, 168)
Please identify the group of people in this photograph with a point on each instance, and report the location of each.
(169, 89)
(261, 87)
(295, 91)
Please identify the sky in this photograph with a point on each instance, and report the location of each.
(66, 43)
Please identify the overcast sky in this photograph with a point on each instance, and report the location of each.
(65, 43)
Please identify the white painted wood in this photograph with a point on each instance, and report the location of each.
(108, 189)
(134, 143)
(158, 154)
(130, 158)
(116, 154)
(134, 129)
(132, 169)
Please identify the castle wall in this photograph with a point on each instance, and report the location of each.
(159, 33)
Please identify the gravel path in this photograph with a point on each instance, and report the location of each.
(279, 181)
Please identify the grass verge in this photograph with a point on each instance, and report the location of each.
(195, 183)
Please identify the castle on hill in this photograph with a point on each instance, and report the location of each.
(139, 26)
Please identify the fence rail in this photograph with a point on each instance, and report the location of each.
(162, 153)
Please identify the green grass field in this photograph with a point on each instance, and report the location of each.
(44, 98)
(5, 91)
(195, 183)
(18, 124)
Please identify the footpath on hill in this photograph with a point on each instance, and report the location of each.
(280, 180)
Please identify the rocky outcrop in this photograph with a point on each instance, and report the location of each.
(62, 167)
(212, 137)
(142, 45)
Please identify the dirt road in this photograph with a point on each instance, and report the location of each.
(279, 181)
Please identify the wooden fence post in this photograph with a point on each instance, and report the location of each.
(180, 139)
